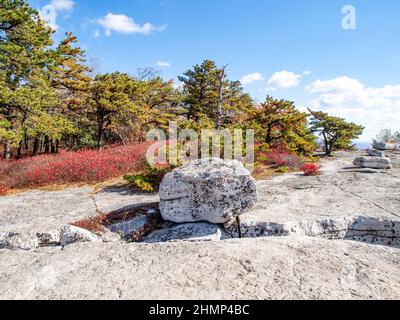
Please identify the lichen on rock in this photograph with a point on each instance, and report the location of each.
(210, 190)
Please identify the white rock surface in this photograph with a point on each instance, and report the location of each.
(263, 268)
(45, 211)
(373, 163)
(333, 206)
(300, 261)
(70, 234)
(210, 190)
(376, 153)
(186, 232)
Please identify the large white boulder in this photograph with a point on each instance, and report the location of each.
(211, 190)
(373, 163)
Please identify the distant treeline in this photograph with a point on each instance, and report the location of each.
(50, 98)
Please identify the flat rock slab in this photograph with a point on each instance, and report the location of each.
(324, 205)
(372, 163)
(376, 153)
(186, 232)
(271, 268)
(386, 146)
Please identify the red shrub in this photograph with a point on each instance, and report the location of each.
(4, 190)
(282, 158)
(87, 166)
(310, 169)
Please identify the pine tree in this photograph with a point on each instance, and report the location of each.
(335, 131)
(209, 97)
(111, 100)
(71, 78)
(278, 122)
(24, 57)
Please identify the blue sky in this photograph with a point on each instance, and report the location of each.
(292, 49)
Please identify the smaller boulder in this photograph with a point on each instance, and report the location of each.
(4, 236)
(385, 146)
(70, 234)
(372, 163)
(376, 153)
(49, 239)
(19, 241)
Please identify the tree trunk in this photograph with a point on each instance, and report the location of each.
(36, 146)
(220, 96)
(26, 141)
(19, 150)
(7, 151)
(46, 144)
(100, 122)
(53, 146)
(327, 145)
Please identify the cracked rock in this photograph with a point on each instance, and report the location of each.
(186, 232)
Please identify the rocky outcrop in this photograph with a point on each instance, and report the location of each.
(370, 230)
(385, 146)
(376, 153)
(372, 163)
(295, 246)
(28, 241)
(210, 190)
(273, 268)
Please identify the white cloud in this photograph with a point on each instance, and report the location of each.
(306, 72)
(96, 34)
(178, 84)
(374, 108)
(252, 77)
(61, 5)
(283, 80)
(121, 23)
(163, 64)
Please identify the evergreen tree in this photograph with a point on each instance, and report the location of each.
(336, 132)
(71, 78)
(278, 122)
(209, 97)
(112, 103)
(24, 60)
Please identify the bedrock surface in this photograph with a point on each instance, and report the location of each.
(263, 268)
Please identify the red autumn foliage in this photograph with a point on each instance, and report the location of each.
(4, 190)
(86, 166)
(279, 157)
(310, 169)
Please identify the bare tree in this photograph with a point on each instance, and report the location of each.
(221, 77)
